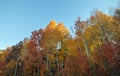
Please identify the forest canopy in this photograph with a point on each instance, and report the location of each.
(93, 51)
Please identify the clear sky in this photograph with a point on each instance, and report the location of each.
(18, 18)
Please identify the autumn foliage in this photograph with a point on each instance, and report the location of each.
(94, 50)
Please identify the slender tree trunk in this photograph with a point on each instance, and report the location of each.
(58, 65)
(38, 69)
(16, 67)
(105, 63)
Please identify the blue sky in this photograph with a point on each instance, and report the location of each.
(18, 18)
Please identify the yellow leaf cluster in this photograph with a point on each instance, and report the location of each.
(11, 64)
